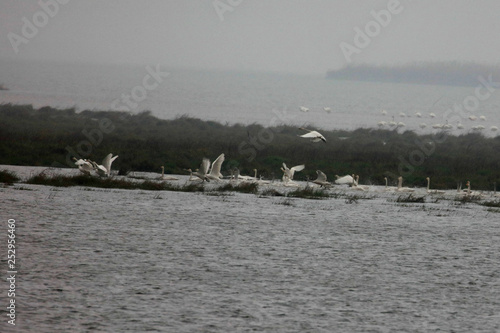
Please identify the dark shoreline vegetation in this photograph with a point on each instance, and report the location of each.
(439, 73)
(50, 137)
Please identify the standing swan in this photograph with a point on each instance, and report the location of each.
(401, 188)
(433, 191)
(163, 177)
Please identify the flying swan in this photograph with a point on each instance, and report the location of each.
(289, 172)
(321, 179)
(104, 169)
(314, 135)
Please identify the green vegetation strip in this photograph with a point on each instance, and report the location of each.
(50, 137)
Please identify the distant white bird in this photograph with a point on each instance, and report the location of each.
(314, 135)
(418, 114)
(304, 109)
(478, 128)
(422, 125)
(472, 117)
(494, 128)
(383, 112)
(402, 114)
(429, 191)
(84, 166)
(392, 123)
(401, 124)
(460, 126)
(401, 188)
(327, 109)
(104, 169)
(447, 126)
(482, 118)
(289, 172)
(382, 123)
(345, 180)
(437, 126)
(432, 115)
(321, 179)
(163, 177)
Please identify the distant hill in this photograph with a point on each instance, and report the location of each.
(442, 73)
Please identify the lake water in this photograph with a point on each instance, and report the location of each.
(97, 260)
(238, 97)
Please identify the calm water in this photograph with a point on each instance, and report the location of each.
(93, 260)
(232, 97)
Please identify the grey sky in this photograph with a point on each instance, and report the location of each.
(262, 35)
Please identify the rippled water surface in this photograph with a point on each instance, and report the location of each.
(134, 261)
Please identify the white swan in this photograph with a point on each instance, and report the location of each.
(472, 117)
(382, 123)
(314, 135)
(418, 114)
(383, 112)
(84, 166)
(191, 176)
(483, 118)
(321, 179)
(460, 126)
(389, 188)
(429, 191)
(203, 170)
(494, 128)
(104, 169)
(392, 122)
(163, 177)
(432, 115)
(345, 180)
(289, 172)
(422, 125)
(327, 109)
(470, 193)
(304, 109)
(356, 186)
(401, 188)
(214, 173)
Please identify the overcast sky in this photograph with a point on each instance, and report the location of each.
(303, 36)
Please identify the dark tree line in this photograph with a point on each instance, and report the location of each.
(50, 137)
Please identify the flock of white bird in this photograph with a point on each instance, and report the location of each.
(393, 124)
(438, 126)
(212, 172)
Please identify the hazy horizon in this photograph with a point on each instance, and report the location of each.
(289, 36)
